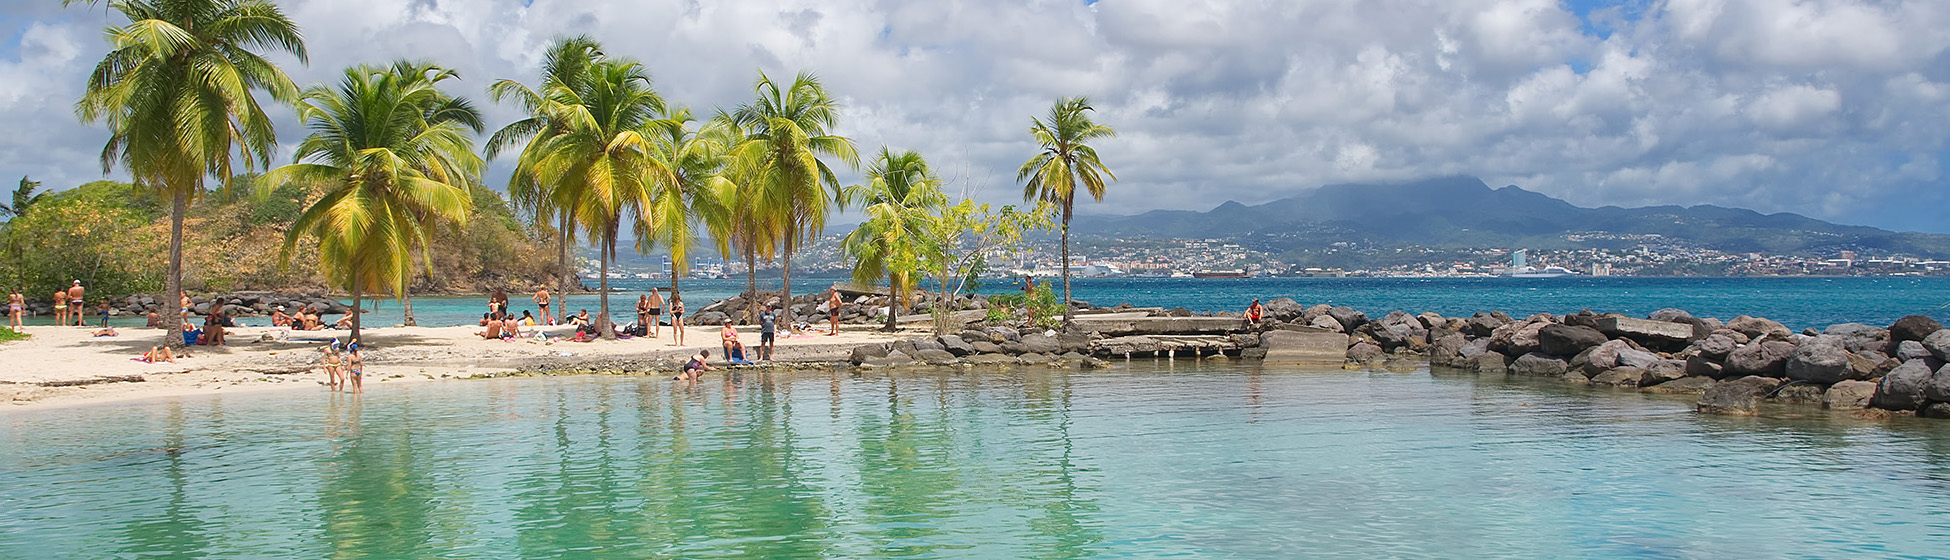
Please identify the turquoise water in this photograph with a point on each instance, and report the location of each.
(1145, 460)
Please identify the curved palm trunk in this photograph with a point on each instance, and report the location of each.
(751, 284)
(179, 205)
(603, 326)
(407, 302)
(1068, 315)
(563, 274)
(356, 306)
(785, 293)
(893, 304)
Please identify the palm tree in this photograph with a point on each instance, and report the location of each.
(394, 154)
(24, 198)
(751, 225)
(601, 164)
(176, 92)
(564, 65)
(900, 195)
(1066, 160)
(789, 129)
(695, 196)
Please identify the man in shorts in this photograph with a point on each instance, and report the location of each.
(656, 313)
(542, 301)
(74, 304)
(767, 325)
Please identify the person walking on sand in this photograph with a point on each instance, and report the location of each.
(676, 320)
(1254, 312)
(768, 323)
(833, 304)
(16, 305)
(61, 308)
(542, 301)
(656, 311)
(75, 304)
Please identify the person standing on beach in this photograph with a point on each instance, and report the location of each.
(676, 320)
(643, 310)
(542, 300)
(356, 366)
(16, 305)
(74, 304)
(656, 311)
(833, 304)
(103, 309)
(498, 303)
(334, 378)
(768, 323)
(60, 308)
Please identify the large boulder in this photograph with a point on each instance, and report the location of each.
(861, 354)
(1447, 349)
(1315, 347)
(955, 345)
(936, 357)
(1518, 338)
(1348, 317)
(1326, 322)
(1663, 371)
(1904, 388)
(1657, 333)
(1366, 354)
(1565, 340)
(1635, 358)
(1822, 359)
(1701, 366)
(1038, 343)
(1756, 327)
(1317, 311)
(1913, 327)
(1848, 395)
(1620, 377)
(1671, 315)
(1000, 335)
(1432, 320)
(1859, 337)
(985, 347)
(1938, 389)
(1540, 365)
(1483, 324)
(1693, 385)
(1717, 346)
(1767, 357)
(1938, 343)
(1284, 309)
(1490, 362)
(1738, 397)
(1912, 350)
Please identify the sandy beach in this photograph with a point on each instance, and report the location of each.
(62, 366)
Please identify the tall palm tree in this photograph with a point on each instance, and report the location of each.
(601, 164)
(23, 199)
(751, 226)
(394, 154)
(1066, 161)
(564, 65)
(692, 202)
(900, 196)
(789, 129)
(176, 90)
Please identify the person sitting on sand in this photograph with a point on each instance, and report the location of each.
(106, 331)
(527, 320)
(510, 327)
(493, 331)
(279, 319)
(159, 354)
(344, 322)
(696, 366)
(580, 319)
(1254, 312)
(16, 305)
(213, 329)
(729, 337)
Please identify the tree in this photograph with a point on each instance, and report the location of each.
(601, 163)
(694, 196)
(395, 154)
(968, 234)
(788, 130)
(900, 196)
(1066, 162)
(24, 198)
(564, 65)
(176, 92)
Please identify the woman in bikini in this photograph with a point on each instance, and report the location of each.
(16, 305)
(334, 366)
(61, 307)
(676, 320)
(356, 365)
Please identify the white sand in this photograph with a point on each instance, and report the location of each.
(393, 355)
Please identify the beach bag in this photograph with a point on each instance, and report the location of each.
(640, 329)
(189, 337)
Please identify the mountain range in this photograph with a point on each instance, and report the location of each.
(1464, 212)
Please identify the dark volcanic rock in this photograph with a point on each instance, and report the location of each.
(1490, 362)
(1038, 343)
(1366, 353)
(955, 345)
(1859, 337)
(1822, 359)
(1663, 371)
(1938, 410)
(1540, 365)
(1913, 327)
(1671, 315)
(1447, 349)
(1767, 357)
(1848, 395)
(1327, 322)
(1564, 340)
(1482, 324)
(1621, 377)
(1938, 343)
(1699, 365)
(1348, 317)
(1912, 350)
(1682, 386)
(1755, 327)
(863, 353)
(1794, 392)
(1717, 346)
(1938, 389)
(985, 347)
(1903, 388)
(1738, 397)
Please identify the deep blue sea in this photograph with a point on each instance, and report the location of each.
(1797, 302)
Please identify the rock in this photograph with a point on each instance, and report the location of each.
(1283, 309)
(1038, 343)
(1737, 336)
(1663, 371)
(1470, 350)
(1935, 410)
(936, 357)
(1737, 397)
(1912, 350)
(1862, 366)
(1540, 365)
(1365, 353)
(1348, 317)
(927, 344)
(1328, 323)
(1490, 362)
(899, 358)
(985, 347)
(1938, 343)
(1798, 392)
(1717, 346)
(1072, 357)
(1033, 359)
(1635, 358)
(903, 346)
(1913, 327)
(1658, 333)
(1767, 357)
(1319, 347)
(1432, 321)
(1620, 377)
(1692, 385)
(1317, 311)
(1583, 318)
(1518, 338)
(1859, 337)
(1447, 349)
(710, 318)
(1938, 389)
(861, 354)
(955, 345)
(1755, 327)
(1671, 315)
(990, 359)
(1564, 340)
(1700, 366)
(1483, 324)
(1605, 356)
(1903, 388)
(1848, 395)
(1822, 360)
(1000, 335)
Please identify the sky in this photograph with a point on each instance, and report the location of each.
(1835, 109)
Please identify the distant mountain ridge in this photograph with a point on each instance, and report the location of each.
(1464, 212)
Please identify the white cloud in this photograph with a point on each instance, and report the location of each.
(1827, 107)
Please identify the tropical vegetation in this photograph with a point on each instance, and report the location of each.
(787, 130)
(900, 199)
(1066, 162)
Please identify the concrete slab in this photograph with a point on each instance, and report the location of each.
(1319, 347)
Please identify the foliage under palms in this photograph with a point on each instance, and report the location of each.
(176, 91)
(394, 154)
(564, 65)
(601, 164)
(900, 196)
(1066, 162)
(789, 128)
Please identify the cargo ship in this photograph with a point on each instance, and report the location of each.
(1235, 273)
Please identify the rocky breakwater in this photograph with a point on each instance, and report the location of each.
(237, 304)
(856, 308)
(994, 345)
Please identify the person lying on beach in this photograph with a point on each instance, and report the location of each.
(106, 331)
(159, 354)
(696, 366)
(729, 336)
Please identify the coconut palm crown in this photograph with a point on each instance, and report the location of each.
(1066, 162)
(900, 196)
(789, 128)
(564, 65)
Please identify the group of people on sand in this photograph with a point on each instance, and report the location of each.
(70, 309)
(307, 319)
(343, 365)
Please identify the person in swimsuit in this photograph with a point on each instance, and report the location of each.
(696, 366)
(768, 323)
(356, 366)
(159, 354)
(1254, 312)
(279, 319)
(334, 376)
(16, 305)
(510, 327)
(729, 338)
(75, 304)
(833, 304)
(498, 303)
(103, 310)
(656, 311)
(60, 307)
(542, 300)
(676, 320)
(642, 310)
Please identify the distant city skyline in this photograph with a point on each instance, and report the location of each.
(1834, 109)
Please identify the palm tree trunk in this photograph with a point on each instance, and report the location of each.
(406, 300)
(785, 293)
(563, 274)
(603, 328)
(179, 204)
(893, 304)
(355, 310)
(751, 282)
(1067, 314)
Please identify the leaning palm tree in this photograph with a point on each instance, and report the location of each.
(564, 65)
(692, 201)
(1066, 161)
(750, 226)
(789, 129)
(601, 164)
(394, 154)
(176, 90)
(900, 195)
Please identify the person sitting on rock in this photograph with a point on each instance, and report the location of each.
(1254, 312)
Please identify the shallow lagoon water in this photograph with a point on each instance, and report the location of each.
(1146, 460)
